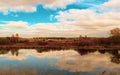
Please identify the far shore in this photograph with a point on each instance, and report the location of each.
(47, 43)
(117, 47)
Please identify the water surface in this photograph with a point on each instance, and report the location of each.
(59, 62)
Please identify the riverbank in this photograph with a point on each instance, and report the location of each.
(81, 43)
(117, 47)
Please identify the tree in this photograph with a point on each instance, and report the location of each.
(115, 31)
(115, 36)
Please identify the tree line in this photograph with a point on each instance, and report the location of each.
(113, 39)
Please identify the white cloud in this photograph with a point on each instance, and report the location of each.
(73, 22)
(59, 3)
(17, 25)
(40, 29)
(5, 32)
(90, 21)
(7, 8)
(30, 6)
(115, 4)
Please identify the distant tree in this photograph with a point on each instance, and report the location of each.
(42, 43)
(85, 42)
(114, 40)
(115, 31)
(115, 36)
(103, 41)
(4, 41)
(80, 36)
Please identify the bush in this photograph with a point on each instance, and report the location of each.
(115, 40)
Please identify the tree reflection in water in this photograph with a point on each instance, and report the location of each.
(115, 58)
(13, 51)
(115, 54)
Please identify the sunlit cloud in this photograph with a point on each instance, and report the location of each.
(112, 4)
(30, 6)
(96, 21)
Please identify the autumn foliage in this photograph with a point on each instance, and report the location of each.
(114, 39)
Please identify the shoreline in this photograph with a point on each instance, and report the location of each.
(61, 47)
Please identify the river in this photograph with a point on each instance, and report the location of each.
(59, 62)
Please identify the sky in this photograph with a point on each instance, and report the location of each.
(59, 18)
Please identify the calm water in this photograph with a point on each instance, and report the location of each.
(62, 62)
